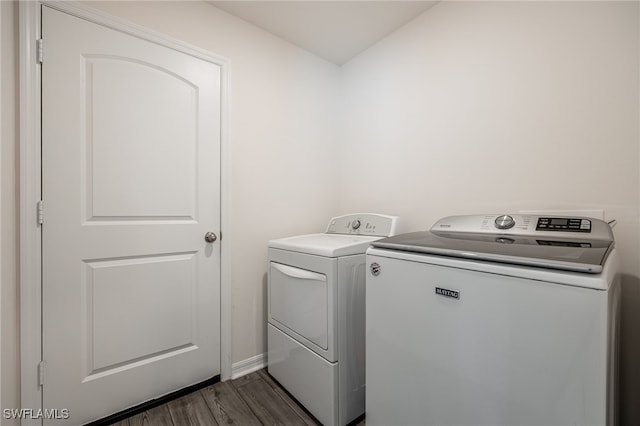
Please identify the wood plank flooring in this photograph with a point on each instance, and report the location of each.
(254, 399)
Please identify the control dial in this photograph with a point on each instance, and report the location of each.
(355, 224)
(504, 222)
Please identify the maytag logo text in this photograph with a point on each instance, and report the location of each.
(448, 293)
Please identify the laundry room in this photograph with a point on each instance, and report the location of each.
(467, 108)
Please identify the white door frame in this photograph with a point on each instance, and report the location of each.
(30, 184)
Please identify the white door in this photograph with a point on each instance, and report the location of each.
(131, 184)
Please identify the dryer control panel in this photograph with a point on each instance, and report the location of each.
(369, 224)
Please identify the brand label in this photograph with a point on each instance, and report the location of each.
(375, 269)
(448, 293)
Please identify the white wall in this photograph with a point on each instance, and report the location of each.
(9, 342)
(480, 107)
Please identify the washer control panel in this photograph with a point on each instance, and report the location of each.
(369, 224)
(569, 227)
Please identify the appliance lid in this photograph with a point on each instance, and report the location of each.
(327, 245)
(345, 235)
(572, 244)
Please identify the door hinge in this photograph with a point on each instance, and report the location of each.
(40, 212)
(41, 367)
(39, 50)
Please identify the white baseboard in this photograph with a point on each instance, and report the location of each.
(249, 365)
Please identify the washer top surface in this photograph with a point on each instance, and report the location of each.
(345, 235)
(571, 244)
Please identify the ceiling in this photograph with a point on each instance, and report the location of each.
(334, 30)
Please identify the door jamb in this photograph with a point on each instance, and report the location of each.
(31, 188)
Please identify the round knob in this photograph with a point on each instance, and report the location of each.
(504, 222)
(355, 224)
(210, 237)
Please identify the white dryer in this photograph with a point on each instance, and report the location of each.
(316, 315)
(494, 320)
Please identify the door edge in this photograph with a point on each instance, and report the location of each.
(30, 262)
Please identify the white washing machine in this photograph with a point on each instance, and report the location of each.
(494, 320)
(316, 315)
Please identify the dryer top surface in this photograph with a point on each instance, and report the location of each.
(327, 245)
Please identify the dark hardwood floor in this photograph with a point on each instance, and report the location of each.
(254, 399)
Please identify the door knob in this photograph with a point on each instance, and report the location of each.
(210, 237)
